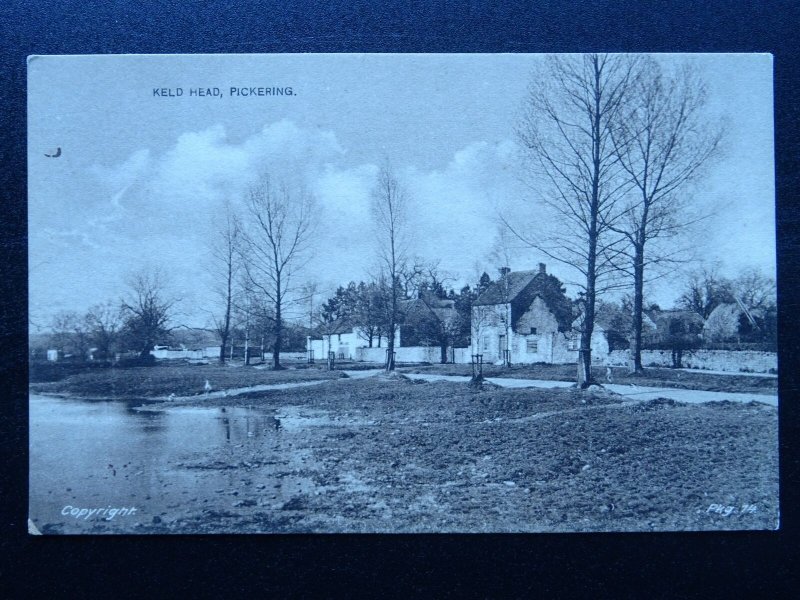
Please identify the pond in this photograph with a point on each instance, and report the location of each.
(90, 454)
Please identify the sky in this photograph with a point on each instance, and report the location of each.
(143, 177)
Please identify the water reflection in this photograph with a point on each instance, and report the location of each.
(151, 453)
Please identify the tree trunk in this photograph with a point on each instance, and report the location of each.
(392, 321)
(390, 351)
(638, 307)
(247, 346)
(228, 305)
(276, 349)
(677, 358)
(584, 368)
(223, 346)
(585, 355)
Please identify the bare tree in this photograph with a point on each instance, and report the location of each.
(389, 204)
(274, 246)
(309, 292)
(663, 140)
(705, 290)
(103, 322)
(70, 334)
(755, 290)
(566, 130)
(225, 254)
(251, 318)
(371, 312)
(482, 318)
(147, 310)
(431, 315)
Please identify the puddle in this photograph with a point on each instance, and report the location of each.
(295, 418)
(89, 454)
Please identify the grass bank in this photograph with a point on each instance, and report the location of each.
(165, 378)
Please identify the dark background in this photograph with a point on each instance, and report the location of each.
(618, 565)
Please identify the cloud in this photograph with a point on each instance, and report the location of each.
(159, 208)
(455, 208)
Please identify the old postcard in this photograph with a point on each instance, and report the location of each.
(338, 293)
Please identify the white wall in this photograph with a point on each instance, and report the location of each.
(346, 344)
(406, 354)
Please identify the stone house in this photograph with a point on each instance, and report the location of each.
(524, 317)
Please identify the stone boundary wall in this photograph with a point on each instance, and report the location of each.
(734, 361)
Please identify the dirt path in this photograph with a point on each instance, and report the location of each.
(636, 393)
(731, 373)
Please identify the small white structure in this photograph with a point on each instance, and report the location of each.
(345, 344)
(52, 355)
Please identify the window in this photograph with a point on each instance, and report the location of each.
(532, 345)
(485, 342)
(573, 343)
(339, 337)
(533, 330)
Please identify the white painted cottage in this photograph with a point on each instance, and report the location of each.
(343, 341)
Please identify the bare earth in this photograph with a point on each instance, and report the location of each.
(652, 377)
(384, 454)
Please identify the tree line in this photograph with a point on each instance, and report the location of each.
(614, 144)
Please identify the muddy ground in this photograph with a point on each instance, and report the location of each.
(388, 455)
(652, 376)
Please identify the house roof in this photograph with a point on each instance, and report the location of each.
(442, 308)
(663, 318)
(734, 310)
(506, 289)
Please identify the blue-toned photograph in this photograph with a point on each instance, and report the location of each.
(402, 293)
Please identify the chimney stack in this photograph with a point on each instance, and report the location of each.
(542, 268)
(504, 271)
